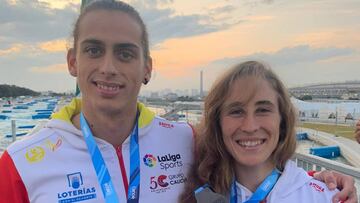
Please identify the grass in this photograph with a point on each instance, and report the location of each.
(339, 130)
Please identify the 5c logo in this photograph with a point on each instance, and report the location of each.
(159, 182)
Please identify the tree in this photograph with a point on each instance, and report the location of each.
(15, 91)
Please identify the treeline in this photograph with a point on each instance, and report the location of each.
(15, 91)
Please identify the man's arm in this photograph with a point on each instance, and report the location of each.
(344, 183)
(12, 188)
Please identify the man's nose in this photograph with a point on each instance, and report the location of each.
(108, 66)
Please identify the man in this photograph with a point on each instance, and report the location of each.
(106, 147)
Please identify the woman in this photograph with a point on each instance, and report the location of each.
(245, 143)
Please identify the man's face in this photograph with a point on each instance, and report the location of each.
(109, 61)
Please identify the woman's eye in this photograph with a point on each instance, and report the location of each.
(263, 110)
(236, 112)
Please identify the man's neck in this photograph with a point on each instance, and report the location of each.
(109, 127)
(252, 177)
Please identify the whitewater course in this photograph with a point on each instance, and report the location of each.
(316, 150)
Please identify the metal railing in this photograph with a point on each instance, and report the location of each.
(311, 162)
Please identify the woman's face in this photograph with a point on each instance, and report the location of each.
(250, 122)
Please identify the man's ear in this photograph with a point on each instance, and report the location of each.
(148, 69)
(71, 62)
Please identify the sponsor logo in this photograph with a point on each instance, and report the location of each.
(77, 191)
(177, 179)
(149, 160)
(162, 183)
(166, 125)
(169, 161)
(53, 146)
(165, 162)
(159, 184)
(316, 187)
(35, 154)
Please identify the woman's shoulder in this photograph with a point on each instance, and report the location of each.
(296, 185)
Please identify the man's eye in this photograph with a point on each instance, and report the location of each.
(125, 55)
(93, 51)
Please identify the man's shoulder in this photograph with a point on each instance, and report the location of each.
(30, 141)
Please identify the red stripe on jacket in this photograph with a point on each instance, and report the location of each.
(12, 188)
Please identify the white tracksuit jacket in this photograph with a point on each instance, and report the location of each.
(54, 166)
(293, 186)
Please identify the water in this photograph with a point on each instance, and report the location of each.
(21, 116)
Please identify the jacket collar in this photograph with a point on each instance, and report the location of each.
(74, 108)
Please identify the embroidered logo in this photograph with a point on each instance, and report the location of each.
(166, 125)
(316, 187)
(78, 192)
(35, 154)
(149, 160)
(53, 146)
(169, 161)
(162, 183)
(75, 180)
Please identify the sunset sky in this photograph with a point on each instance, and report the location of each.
(304, 41)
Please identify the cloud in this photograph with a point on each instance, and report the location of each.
(34, 21)
(152, 3)
(31, 50)
(253, 3)
(303, 53)
(296, 65)
(15, 48)
(164, 23)
(56, 68)
(256, 3)
(38, 20)
(268, 1)
(291, 55)
(259, 18)
(54, 46)
(223, 9)
(60, 3)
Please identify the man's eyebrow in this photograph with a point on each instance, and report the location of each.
(92, 41)
(116, 46)
(126, 45)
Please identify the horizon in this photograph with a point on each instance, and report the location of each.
(190, 92)
(304, 42)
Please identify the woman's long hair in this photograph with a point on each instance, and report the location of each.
(213, 164)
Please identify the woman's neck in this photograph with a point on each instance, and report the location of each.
(252, 176)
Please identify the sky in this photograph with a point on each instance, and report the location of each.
(304, 41)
